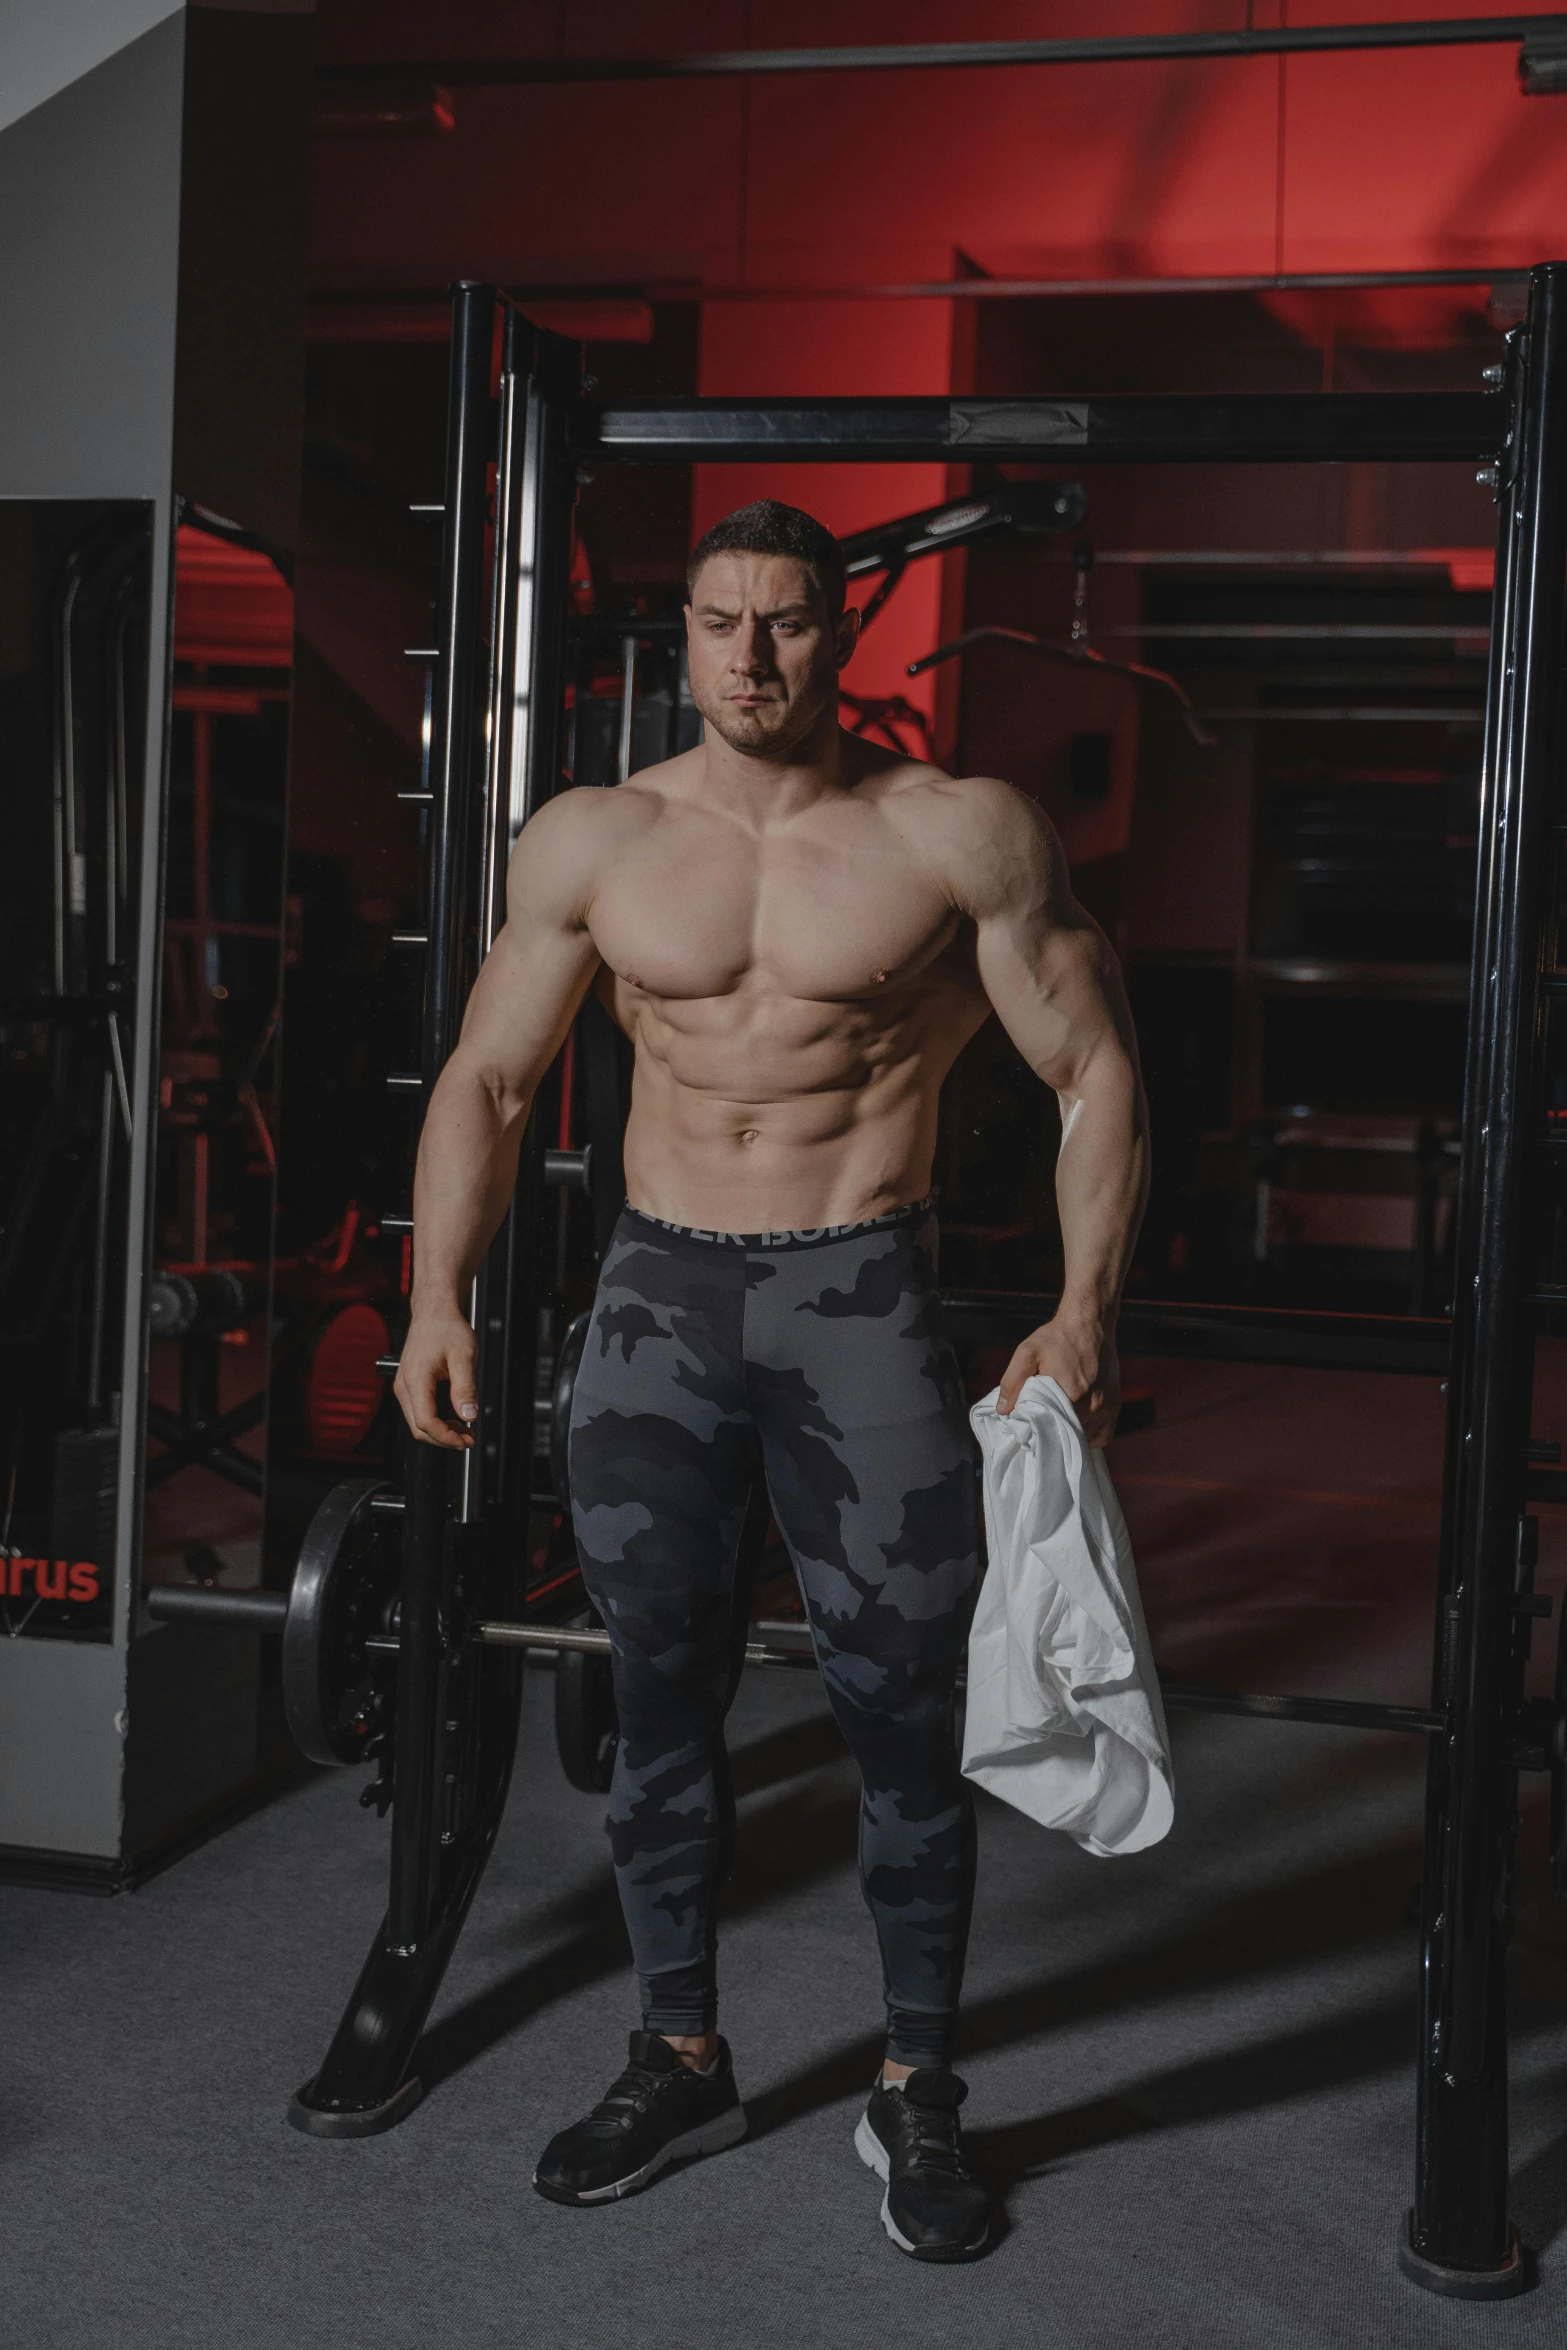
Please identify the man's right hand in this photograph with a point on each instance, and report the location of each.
(438, 1346)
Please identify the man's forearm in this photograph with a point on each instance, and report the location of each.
(1101, 1190)
(464, 1180)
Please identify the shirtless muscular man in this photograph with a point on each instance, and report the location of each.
(799, 933)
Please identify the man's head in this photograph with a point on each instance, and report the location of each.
(767, 627)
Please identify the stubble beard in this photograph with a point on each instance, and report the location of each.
(776, 733)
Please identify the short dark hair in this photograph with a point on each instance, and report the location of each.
(767, 527)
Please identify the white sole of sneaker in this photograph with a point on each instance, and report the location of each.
(873, 2154)
(708, 2138)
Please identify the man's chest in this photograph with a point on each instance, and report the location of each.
(827, 920)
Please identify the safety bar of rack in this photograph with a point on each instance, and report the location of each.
(1220, 1333)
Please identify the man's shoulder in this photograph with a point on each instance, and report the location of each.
(589, 820)
(955, 812)
(566, 847)
(587, 811)
(986, 845)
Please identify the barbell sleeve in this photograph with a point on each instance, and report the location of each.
(197, 1603)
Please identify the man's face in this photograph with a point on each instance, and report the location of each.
(764, 654)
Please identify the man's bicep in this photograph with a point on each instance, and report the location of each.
(1046, 965)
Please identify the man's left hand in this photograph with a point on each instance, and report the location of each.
(1082, 1361)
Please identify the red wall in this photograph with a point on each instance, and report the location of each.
(1409, 159)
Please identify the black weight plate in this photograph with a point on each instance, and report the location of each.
(587, 1727)
(343, 1570)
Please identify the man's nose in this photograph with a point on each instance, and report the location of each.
(753, 649)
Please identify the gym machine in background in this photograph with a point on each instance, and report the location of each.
(151, 356)
(73, 686)
(402, 1638)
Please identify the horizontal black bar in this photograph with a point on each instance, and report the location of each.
(604, 628)
(1242, 428)
(1339, 1713)
(64, 1007)
(944, 56)
(787, 1644)
(239, 1611)
(1221, 1333)
(1400, 1343)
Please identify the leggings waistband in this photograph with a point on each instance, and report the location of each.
(912, 1213)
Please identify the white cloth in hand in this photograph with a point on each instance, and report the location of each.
(1064, 1714)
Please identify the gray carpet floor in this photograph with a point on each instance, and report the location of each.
(1191, 2071)
(1190, 2083)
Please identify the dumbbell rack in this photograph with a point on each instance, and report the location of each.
(442, 1688)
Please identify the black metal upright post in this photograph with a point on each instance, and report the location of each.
(455, 750)
(536, 490)
(365, 2083)
(1459, 2239)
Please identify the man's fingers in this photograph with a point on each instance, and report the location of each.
(1021, 1367)
(464, 1386)
(415, 1390)
(1098, 1413)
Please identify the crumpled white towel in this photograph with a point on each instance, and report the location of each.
(1064, 1715)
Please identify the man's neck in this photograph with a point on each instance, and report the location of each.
(761, 791)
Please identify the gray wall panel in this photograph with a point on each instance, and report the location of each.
(89, 279)
(62, 1734)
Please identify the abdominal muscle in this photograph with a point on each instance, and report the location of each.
(784, 1115)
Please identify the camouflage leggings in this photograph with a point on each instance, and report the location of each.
(812, 1358)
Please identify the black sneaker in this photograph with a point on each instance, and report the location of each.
(658, 2112)
(934, 2207)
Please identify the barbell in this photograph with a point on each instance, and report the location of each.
(338, 1624)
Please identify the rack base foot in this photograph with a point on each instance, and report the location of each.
(1515, 2275)
(364, 2121)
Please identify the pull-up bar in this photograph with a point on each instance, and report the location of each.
(902, 57)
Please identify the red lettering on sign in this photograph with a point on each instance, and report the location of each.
(84, 1580)
(19, 1568)
(50, 1578)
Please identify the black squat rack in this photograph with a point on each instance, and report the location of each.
(408, 1650)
